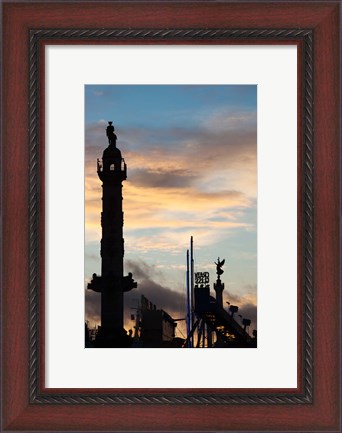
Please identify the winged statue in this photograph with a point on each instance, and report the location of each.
(219, 265)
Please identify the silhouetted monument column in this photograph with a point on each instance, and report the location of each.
(219, 286)
(112, 284)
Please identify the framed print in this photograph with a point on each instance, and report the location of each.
(283, 73)
(150, 287)
(170, 192)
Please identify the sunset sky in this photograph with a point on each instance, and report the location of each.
(191, 154)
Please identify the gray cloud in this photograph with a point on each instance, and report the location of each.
(233, 299)
(249, 311)
(177, 178)
(246, 310)
(92, 307)
(163, 297)
(140, 270)
(224, 136)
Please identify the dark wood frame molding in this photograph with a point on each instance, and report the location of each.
(27, 404)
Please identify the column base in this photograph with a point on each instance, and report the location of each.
(115, 339)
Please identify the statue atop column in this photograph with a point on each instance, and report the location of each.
(110, 134)
(219, 286)
(219, 265)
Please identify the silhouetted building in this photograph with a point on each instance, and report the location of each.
(112, 284)
(158, 328)
(154, 327)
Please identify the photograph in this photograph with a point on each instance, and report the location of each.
(171, 216)
(171, 180)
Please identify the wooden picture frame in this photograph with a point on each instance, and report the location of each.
(26, 404)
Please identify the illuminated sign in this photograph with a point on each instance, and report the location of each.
(202, 278)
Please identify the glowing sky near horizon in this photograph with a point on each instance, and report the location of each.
(191, 153)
